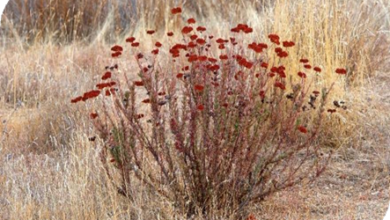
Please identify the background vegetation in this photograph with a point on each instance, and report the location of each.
(53, 50)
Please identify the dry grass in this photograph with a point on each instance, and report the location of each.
(49, 169)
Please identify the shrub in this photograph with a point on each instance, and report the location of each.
(223, 124)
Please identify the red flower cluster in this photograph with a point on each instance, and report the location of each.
(258, 48)
(302, 74)
(280, 70)
(280, 85)
(187, 29)
(242, 27)
(281, 53)
(176, 10)
(288, 44)
(274, 38)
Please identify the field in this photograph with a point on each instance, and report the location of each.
(50, 168)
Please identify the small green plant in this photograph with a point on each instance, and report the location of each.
(222, 125)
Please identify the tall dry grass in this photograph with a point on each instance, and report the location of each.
(48, 166)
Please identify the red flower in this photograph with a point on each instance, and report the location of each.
(221, 46)
(317, 69)
(213, 68)
(116, 54)
(302, 129)
(93, 115)
(176, 10)
(262, 94)
(106, 75)
(200, 41)
(202, 58)
(186, 29)
(280, 85)
(282, 54)
(264, 65)
(140, 56)
(341, 71)
(288, 44)
(155, 51)
(307, 66)
(199, 87)
(274, 38)
(130, 39)
(179, 75)
(192, 44)
(248, 30)
(303, 60)
(135, 44)
(200, 107)
(117, 48)
(192, 58)
(200, 29)
(150, 32)
(193, 37)
(212, 60)
(191, 21)
(302, 74)
(170, 34)
(158, 44)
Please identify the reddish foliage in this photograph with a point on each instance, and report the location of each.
(77, 99)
